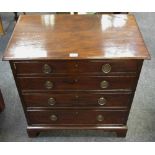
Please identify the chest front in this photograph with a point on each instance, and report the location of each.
(76, 77)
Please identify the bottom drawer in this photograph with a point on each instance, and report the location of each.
(77, 116)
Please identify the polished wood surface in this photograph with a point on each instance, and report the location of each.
(76, 37)
(89, 83)
(93, 88)
(78, 116)
(38, 111)
(78, 99)
(33, 131)
(36, 68)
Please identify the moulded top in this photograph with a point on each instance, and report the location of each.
(76, 37)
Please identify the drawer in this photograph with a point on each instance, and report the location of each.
(103, 67)
(77, 83)
(108, 100)
(77, 117)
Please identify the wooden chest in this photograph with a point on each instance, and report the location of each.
(76, 71)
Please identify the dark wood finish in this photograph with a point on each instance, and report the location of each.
(39, 52)
(2, 105)
(92, 37)
(24, 68)
(126, 83)
(122, 133)
(73, 100)
(19, 90)
(77, 116)
(16, 16)
(62, 13)
(33, 131)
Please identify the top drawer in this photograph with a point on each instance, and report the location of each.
(58, 67)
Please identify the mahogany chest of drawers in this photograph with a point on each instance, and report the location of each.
(76, 71)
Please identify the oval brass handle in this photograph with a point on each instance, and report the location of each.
(48, 85)
(53, 118)
(101, 101)
(100, 118)
(104, 84)
(51, 101)
(106, 68)
(47, 69)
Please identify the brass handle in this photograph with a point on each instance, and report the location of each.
(106, 68)
(76, 99)
(51, 101)
(53, 118)
(100, 118)
(47, 69)
(76, 80)
(48, 85)
(101, 101)
(104, 84)
(76, 65)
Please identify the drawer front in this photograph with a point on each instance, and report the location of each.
(77, 117)
(45, 67)
(84, 67)
(114, 100)
(77, 83)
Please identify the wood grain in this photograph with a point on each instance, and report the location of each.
(77, 116)
(78, 99)
(74, 49)
(85, 67)
(90, 36)
(92, 83)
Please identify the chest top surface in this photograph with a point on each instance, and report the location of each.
(76, 37)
